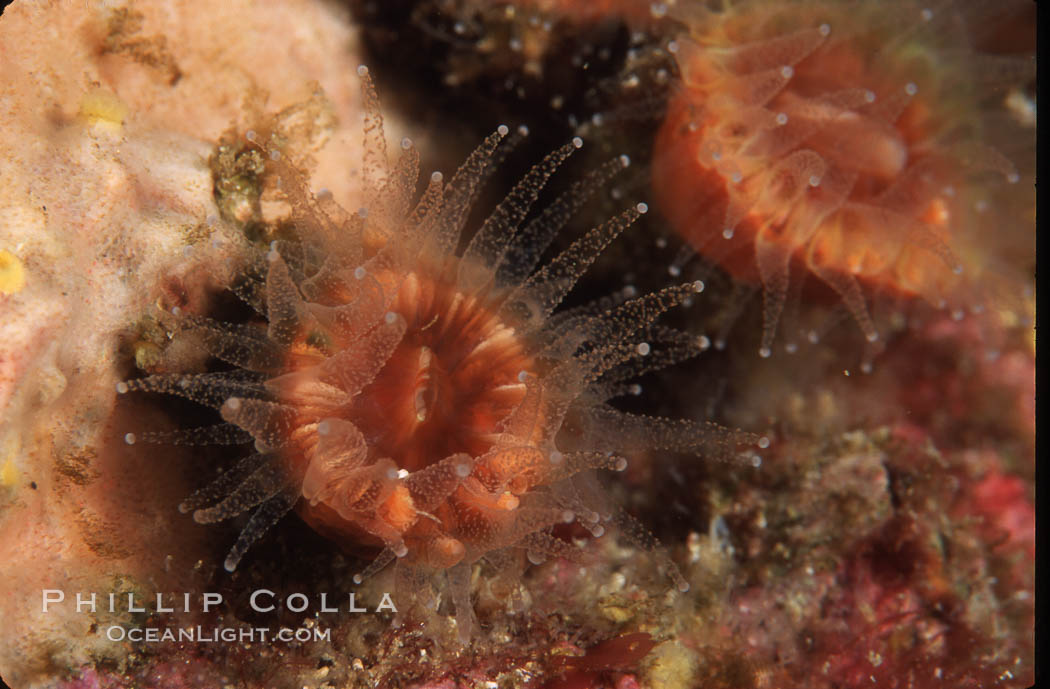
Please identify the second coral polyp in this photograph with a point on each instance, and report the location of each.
(811, 132)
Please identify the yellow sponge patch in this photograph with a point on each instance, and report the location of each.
(102, 107)
(12, 273)
(9, 474)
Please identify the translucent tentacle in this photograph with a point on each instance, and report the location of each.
(533, 301)
(261, 521)
(226, 481)
(789, 49)
(209, 389)
(459, 587)
(270, 423)
(261, 485)
(773, 259)
(625, 432)
(384, 558)
(284, 306)
(488, 247)
(356, 365)
(460, 192)
(852, 296)
(637, 534)
(430, 486)
(244, 346)
(522, 257)
(219, 434)
(375, 167)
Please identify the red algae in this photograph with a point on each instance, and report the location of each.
(622, 653)
(844, 140)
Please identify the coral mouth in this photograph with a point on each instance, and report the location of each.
(449, 383)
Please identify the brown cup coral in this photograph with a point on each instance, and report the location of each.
(430, 404)
(845, 137)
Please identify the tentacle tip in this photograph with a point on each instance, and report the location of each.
(230, 564)
(362, 70)
(122, 388)
(765, 352)
(130, 438)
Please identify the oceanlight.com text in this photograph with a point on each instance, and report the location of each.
(201, 634)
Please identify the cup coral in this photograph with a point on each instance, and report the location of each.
(847, 137)
(431, 404)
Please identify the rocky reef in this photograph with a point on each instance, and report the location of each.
(418, 375)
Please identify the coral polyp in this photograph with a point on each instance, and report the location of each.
(845, 138)
(432, 405)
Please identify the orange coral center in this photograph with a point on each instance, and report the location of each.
(448, 384)
(442, 392)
